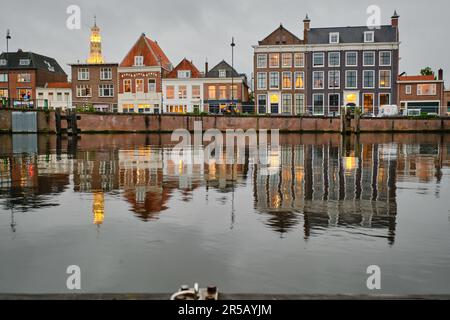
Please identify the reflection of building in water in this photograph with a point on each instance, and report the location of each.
(98, 207)
(330, 186)
(5, 173)
(421, 162)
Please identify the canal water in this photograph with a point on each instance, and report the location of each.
(133, 220)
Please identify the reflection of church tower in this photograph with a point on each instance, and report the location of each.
(95, 54)
(99, 208)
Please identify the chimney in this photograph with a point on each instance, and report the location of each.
(394, 19)
(206, 67)
(306, 28)
(441, 74)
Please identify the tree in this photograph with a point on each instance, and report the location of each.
(427, 72)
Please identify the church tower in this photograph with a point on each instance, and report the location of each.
(95, 54)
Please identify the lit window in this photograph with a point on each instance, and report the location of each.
(287, 80)
(222, 92)
(170, 92)
(196, 92)
(369, 36)
(428, 89)
(334, 37)
(182, 92)
(286, 60)
(24, 77)
(299, 80)
(127, 85)
(212, 92)
(299, 59)
(274, 60)
(140, 85)
(385, 79)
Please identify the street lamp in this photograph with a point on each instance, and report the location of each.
(232, 71)
(8, 37)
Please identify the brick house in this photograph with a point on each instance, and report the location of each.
(95, 85)
(446, 106)
(218, 84)
(24, 72)
(421, 94)
(140, 77)
(341, 65)
(183, 89)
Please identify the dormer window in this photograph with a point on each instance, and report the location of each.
(24, 62)
(334, 37)
(184, 74)
(3, 62)
(222, 73)
(138, 60)
(369, 36)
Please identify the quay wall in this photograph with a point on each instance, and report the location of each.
(140, 123)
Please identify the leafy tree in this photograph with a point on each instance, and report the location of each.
(427, 72)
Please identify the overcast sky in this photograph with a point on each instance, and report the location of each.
(197, 29)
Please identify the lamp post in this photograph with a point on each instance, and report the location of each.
(8, 37)
(232, 71)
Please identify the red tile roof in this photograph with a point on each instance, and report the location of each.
(58, 85)
(416, 78)
(150, 50)
(185, 65)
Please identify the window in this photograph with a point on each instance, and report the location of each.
(212, 92)
(151, 85)
(182, 92)
(351, 59)
(408, 89)
(351, 79)
(384, 99)
(369, 36)
(184, 74)
(3, 93)
(127, 85)
(385, 79)
(234, 93)
(24, 62)
(318, 79)
(24, 94)
(334, 37)
(274, 60)
(368, 103)
(84, 91)
(83, 74)
(369, 79)
(299, 80)
(196, 92)
(66, 96)
(138, 61)
(318, 104)
(385, 58)
(286, 103)
(428, 89)
(299, 59)
(262, 104)
(318, 59)
(334, 59)
(23, 77)
(105, 74)
(50, 96)
(287, 80)
(222, 73)
(222, 92)
(261, 80)
(59, 96)
(274, 80)
(261, 61)
(299, 103)
(3, 62)
(286, 60)
(106, 90)
(368, 58)
(170, 92)
(139, 85)
(333, 102)
(334, 79)
(3, 77)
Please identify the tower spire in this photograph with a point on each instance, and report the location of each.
(95, 52)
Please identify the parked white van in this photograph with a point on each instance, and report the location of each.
(388, 111)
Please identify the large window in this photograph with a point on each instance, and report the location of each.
(105, 74)
(106, 90)
(3, 77)
(261, 60)
(351, 59)
(222, 92)
(368, 103)
(222, 73)
(333, 102)
(368, 58)
(318, 59)
(384, 99)
(299, 59)
(286, 106)
(261, 80)
(351, 79)
(262, 103)
(234, 93)
(151, 85)
(84, 91)
(318, 104)
(274, 80)
(334, 59)
(182, 92)
(83, 74)
(196, 92)
(127, 85)
(299, 103)
(385, 58)
(3, 93)
(170, 92)
(140, 85)
(334, 79)
(428, 89)
(23, 77)
(184, 74)
(299, 80)
(286, 60)
(385, 79)
(318, 80)
(369, 79)
(287, 80)
(212, 92)
(274, 60)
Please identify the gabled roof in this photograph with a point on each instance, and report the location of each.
(223, 65)
(185, 65)
(58, 85)
(150, 50)
(351, 34)
(417, 78)
(281, 36)
(37, 62)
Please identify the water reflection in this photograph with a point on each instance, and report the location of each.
(323, 181)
